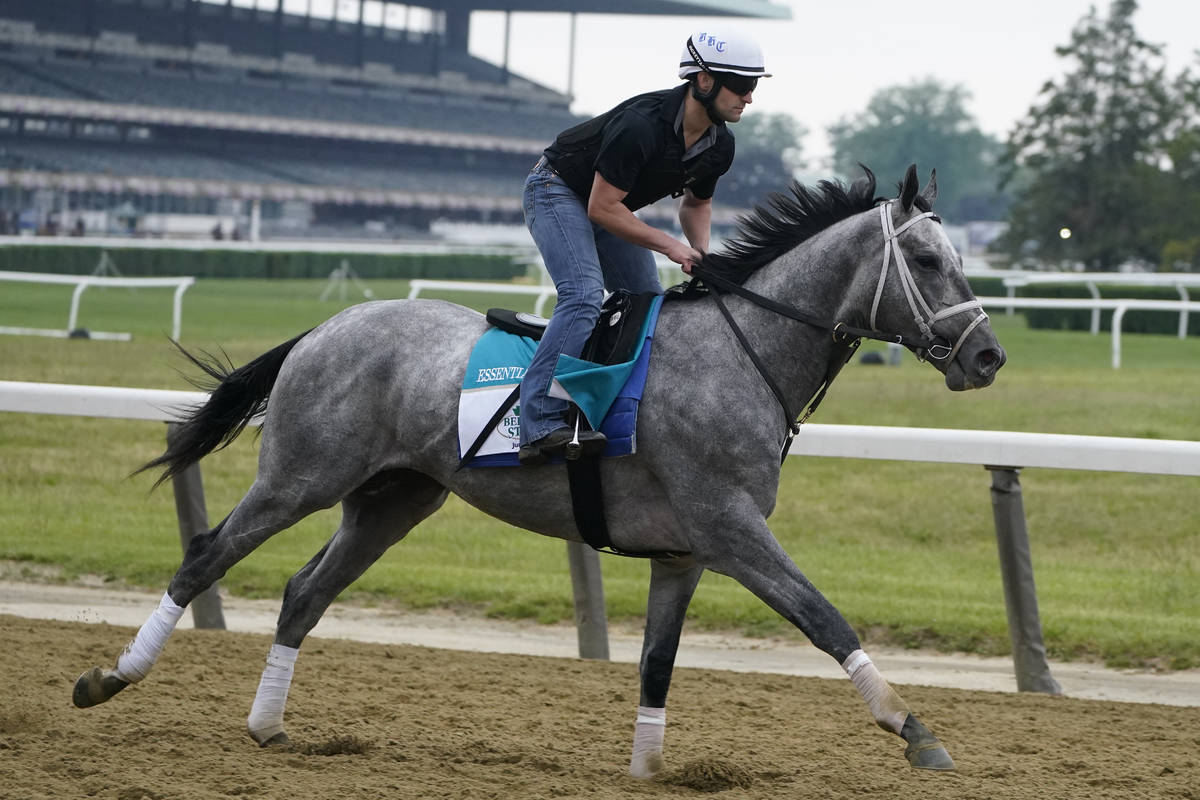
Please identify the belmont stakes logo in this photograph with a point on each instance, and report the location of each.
(510, 426)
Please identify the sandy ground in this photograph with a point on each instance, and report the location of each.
(93, 604)
(400, 721)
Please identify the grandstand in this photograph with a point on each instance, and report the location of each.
(289, 122)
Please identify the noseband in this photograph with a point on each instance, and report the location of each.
(924, 317)
(847, 337)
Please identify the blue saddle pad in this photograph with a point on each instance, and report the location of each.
(607, 395)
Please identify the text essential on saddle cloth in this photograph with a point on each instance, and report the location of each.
(931, 345)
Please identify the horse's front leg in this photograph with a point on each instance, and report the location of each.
(672, 583)
(748, 552)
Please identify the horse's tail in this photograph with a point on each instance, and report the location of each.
(237, 396)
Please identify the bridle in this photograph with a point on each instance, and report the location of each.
(847, 337)
(924, 317)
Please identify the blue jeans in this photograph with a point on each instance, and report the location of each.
(583, 260)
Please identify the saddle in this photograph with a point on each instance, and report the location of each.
(617, 339)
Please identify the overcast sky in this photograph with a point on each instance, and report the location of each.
(831, 57)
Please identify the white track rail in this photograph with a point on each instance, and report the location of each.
(1118, 306)
(938, 445)
(82, 283)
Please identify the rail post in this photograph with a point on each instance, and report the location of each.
(587, 583)
(1020, 592)
(193, 520)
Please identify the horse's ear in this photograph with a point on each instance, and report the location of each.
(929, 193)
(908, 190)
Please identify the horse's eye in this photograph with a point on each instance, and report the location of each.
(927, 261)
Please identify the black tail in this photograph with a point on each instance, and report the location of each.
(237, 396)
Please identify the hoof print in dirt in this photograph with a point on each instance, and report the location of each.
(709, 776)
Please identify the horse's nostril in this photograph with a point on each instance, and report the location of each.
(989, 360)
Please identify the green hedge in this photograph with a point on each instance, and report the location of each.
(245, 264)
(987, 287)
(1165, 322)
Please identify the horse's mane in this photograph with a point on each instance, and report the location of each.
(784, 221)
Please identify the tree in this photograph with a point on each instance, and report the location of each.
(926, 123)
(1181, 202)
(1094, 149)
(769, 152)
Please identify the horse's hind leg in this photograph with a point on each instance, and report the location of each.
(374, 517)
(672, 584)
(258, 516)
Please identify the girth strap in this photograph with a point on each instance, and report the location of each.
(587, 504)
(587, 501)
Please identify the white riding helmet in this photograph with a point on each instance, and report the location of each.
(722, 51)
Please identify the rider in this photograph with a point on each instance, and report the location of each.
(580, 198)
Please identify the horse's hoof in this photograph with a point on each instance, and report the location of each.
(278, 740)
(95, 687)
(924, 751)
(646, 765)
(930, 755)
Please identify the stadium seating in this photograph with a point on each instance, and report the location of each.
(17, 79)
(133, 82)
(249, 62)
(261, 164)
(130, 159)
(60, 16)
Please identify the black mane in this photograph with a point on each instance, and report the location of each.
(785, 221)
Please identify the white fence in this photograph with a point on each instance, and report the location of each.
(1180, 281)
(543, 293)
(1117, 306)
(1003, 453)
(81, 283)
(937, 445)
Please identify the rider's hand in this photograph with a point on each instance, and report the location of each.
(685, 256)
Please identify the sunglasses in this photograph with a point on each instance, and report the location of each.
(739, 84)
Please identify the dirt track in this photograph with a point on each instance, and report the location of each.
(409, 722)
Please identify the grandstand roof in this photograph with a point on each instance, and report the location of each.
(712, 8)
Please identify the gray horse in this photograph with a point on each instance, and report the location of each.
(362, 412)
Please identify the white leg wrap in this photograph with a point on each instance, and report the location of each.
(266, 715)
(647, 758)
(886, 705)
(141, 653)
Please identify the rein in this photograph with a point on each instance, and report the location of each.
(846, 336)
(848, 343)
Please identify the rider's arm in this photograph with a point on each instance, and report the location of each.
(695, 218)
(606, 209)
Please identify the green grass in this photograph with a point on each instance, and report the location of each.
(905, 550)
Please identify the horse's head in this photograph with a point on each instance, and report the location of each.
(921, 294)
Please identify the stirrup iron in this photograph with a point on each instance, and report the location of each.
(574, 448)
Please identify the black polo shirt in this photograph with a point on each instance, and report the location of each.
(637, 149)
